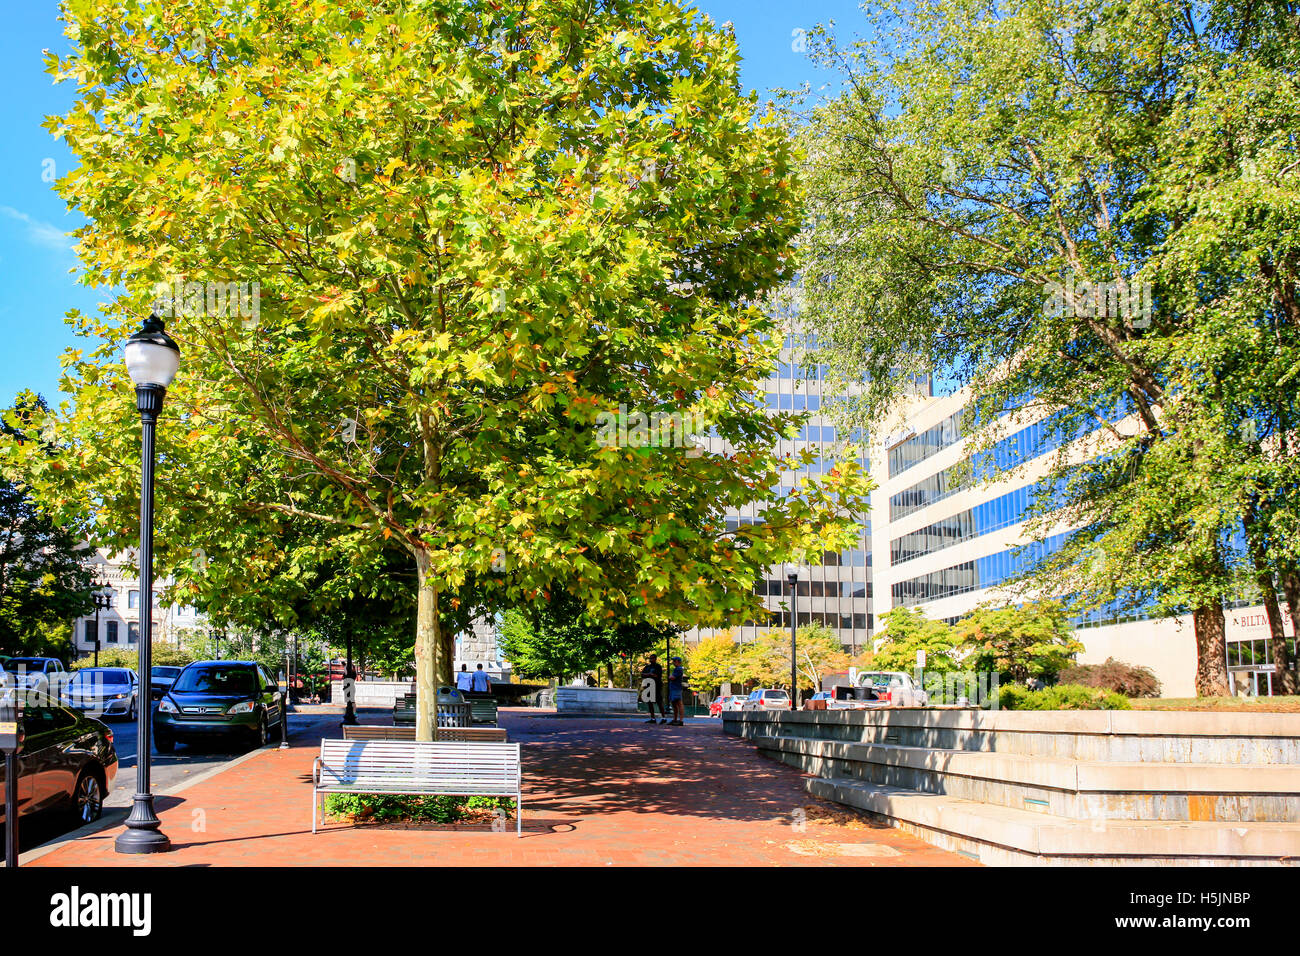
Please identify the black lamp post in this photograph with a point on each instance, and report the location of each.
(349, 673)
(152, 358)
(792, 575)
(102, 603)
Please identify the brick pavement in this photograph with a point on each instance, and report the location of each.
(596, 793)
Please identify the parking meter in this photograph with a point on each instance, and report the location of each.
(11, 743)
(11, 729)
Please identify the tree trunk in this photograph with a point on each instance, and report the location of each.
(446, 655)
(427, 641)
(1211, 651)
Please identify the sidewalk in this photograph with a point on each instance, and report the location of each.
(596, 793)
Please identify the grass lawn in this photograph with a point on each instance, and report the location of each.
(1257, 705)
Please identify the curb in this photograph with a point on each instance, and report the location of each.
(116, 815)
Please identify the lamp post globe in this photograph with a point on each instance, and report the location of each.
(152, 359)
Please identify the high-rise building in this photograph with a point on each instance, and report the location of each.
(944, 546)
(835, 588)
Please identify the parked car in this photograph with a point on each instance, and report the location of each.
(67, 763)
(104, 692)
(895, 688)
(726, 702)
(762, 698)
(219, 699)
(161, 679)
(39, 675)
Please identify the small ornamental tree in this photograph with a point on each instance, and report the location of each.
(712, 662)
(557, 637)
(906, 631)
(414, 253)
(766, 660)
(1032, 640)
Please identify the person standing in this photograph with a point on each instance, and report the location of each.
(464, 679)
(676, 685)
(653, 673)
(481, 684)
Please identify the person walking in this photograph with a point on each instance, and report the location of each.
(464, 679)
(653, 672)
(676, 685)
(481, 684)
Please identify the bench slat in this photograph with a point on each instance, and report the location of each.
(467, 768)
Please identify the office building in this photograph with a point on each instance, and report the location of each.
(944, 546)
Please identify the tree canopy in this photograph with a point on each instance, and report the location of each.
(1084, 210)
(44, 580)
(412, 255)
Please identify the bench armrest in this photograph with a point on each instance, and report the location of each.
(315, 772)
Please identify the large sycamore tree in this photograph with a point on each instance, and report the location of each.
(473, 228)
(1087, 209)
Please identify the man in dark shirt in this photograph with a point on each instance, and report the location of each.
(652, 689)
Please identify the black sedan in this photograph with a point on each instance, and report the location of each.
(161, 679)
(67, 763)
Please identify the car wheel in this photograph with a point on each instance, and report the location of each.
(262, 735)
(88, 797)
(131, 711)
(164, 743)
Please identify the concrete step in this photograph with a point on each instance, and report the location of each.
(1081, 790)
(1232, 740)
(1000, 835)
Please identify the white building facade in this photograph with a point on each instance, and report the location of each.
(119, 625)
(944, 547)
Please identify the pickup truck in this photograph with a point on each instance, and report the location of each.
(896, 688)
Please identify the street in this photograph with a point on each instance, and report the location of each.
(168, 770)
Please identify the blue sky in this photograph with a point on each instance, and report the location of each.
(35, 257)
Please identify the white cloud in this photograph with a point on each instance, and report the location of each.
(39, 233)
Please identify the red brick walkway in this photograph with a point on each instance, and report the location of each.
(596, 792)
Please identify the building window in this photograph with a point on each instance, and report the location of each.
(90, 633)
(133, 599)
(918, 448)
(112, 632)
(985, 572)
(133, 633)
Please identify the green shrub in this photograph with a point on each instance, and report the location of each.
(389, 808)
(1060, 697)
(161, 655)
(1127, 679)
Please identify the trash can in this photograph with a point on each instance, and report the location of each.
(452, 709)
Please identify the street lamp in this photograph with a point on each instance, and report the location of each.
(103, 601)
(152, 358)
(349, 694)
(792, 575)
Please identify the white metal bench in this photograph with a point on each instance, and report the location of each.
(418, 768)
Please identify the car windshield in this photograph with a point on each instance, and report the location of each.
(164, 671)
(28, 663)
(775, 693)
(105, 677)
(216, 680)
(880, 679)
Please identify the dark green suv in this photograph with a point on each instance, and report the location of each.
(212, 699)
